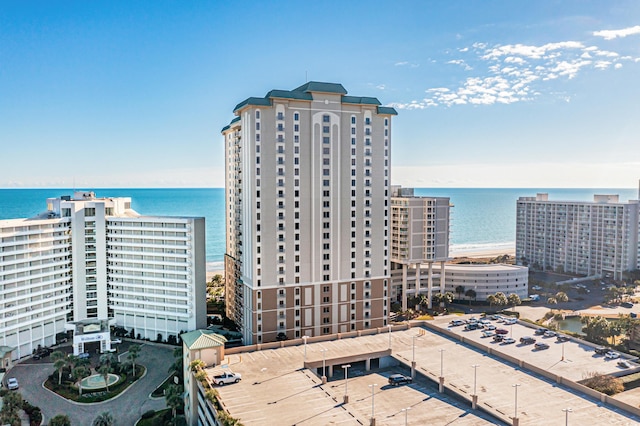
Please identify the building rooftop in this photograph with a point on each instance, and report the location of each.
(202, 339)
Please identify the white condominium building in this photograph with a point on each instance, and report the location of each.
(586, 238)
(419, 236)
(88, 262)
(307, 216)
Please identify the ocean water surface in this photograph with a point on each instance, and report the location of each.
(482, 218)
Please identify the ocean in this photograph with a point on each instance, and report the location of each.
(481, 219)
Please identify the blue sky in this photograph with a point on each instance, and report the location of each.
(489, 93)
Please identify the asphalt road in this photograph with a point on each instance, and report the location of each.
(126, 408)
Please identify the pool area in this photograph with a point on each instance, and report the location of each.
(96, 381)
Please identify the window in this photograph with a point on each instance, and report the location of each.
(257, 115)
(325, 151)
(326, 139)
(325, 129)
(258, 126)
(325, 119)
(326, 289)
(353, 130)
(325, 182)
(296, 116)
(353, 119)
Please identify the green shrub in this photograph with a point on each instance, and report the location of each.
(148, 414)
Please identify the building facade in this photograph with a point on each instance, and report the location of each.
(90, 262)
(419, 236)
(584, 238)
(307, 216)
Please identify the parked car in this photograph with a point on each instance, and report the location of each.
(510, 321)
(527, 340)
(601, 350)
(502, 331)
(455, 323)
(472, 326)
(84, 355)
(508, 340)
(399, 379)
(612, 355)
(116, 341)
(624, 364)
(562, 338)
(12, 383)
(626, 305)
(488, 333)
(549, 333)
(489, 327)
(498, 338)
(541, 346)
(42, 352)
(226, 377)
(495, 317)
(540, 331)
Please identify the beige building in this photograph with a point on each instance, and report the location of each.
(419, 237)
(585, 238)
(307, 216)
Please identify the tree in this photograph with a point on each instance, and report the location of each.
(514, 300)
(460, 290)
(134, 353)
(79, 373)
(59, 364)
(552, 301)
(173, 396)
(196, 364)
(492, 300)
(561, 297)
(597, 329)
(11, 406)
(104, 419)
(60, 420)
(104, 371)
(448, 297)
(501, 299)
(471, 294)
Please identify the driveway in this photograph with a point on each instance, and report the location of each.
(126, 408)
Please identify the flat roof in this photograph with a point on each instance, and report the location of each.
(276, 387)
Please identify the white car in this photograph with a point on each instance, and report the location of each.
(12, 383)
(116, 341)
(612, 355)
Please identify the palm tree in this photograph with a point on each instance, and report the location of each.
(59, 364)
(134, 353)
(492, 300)
(60, 420)
(79, 373)
(173, 396)
(501, 299)
(552, 301)
(197, 364)
(514, 300)
(460, 291)
(562, 297)
(104, 419)
(471, 294)
(104, 370)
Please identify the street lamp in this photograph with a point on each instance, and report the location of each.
(515, 417)
(324, 377)
(474, 400)
(389, 326)
(562, 351)
(406, 413)
(346, 382)
(373, 407)
(441, 378)
(304, 339)
(413, 356)
(566, 416)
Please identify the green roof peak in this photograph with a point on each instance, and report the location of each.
(318, 86)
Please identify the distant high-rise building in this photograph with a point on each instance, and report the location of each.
(307, 216)
(587, 238)
(419, 236)
(88, 263)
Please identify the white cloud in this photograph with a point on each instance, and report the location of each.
(399, 64)
(606, 53)
(611, 34)
(535, 52)
(618, 66)
(380, 87)
(464, 49)
(602, 65)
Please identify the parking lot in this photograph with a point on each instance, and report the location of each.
(572, 359)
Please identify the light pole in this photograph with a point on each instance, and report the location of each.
(474, 400)
(304, 339)
(515, 416)
(562, 351)
(441, 386)
(406, 413)
(373, 407)
(346, 383)
(324, 377)
(413, 357)
(389, 326)
(566, 415)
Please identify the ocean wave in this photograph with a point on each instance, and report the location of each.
(215, 266)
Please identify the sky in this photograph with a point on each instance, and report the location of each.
(498, 93)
